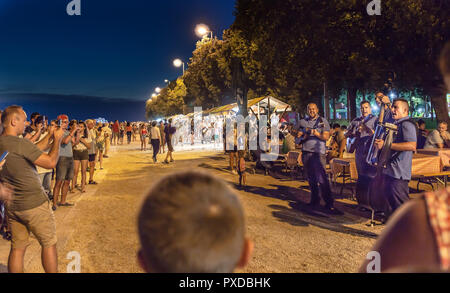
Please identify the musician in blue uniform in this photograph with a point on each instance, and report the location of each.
(384, 101)
(363, 128)
(315, 131)
(397, 175)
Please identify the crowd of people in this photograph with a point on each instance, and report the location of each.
(193, 222)
(44, 159)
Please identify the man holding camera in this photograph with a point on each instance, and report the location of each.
(30, 209)
(65, 167)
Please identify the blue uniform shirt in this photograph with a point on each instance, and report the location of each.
(362, 148)
(314, 144)
(400, 166)
(388, 116)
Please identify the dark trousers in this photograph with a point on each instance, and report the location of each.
(362, 189)
(396, 191)
(129, 136)
(317, 177)
(155, 144)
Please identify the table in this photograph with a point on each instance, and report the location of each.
(444, 154)
(421, 165)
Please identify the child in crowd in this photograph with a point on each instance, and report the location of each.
(192, 223)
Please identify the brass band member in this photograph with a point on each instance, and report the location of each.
(398, 172)
(384, 101)
(315, 131)
(364, 128)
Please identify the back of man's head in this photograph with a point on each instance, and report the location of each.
(336, 126)
(191, 223)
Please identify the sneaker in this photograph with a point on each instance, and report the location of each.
(54, 208)
(166, 162)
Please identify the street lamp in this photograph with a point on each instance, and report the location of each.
(166, 81)
(158, 90)
(154, 95)
(202, 30)
(178, 63)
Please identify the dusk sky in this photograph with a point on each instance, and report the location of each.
(115, 49)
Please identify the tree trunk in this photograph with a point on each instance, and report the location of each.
(351, 103)
(326, 102)
(439, 103)
(334, 108)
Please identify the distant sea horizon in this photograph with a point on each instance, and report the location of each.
(77, 107)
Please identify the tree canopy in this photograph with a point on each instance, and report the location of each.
(290, 48)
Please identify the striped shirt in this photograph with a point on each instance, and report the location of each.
(438, 205)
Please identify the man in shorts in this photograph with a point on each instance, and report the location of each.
(93, 150)
(30, 209)
(169, 131)
(65, 166)
(108, 135)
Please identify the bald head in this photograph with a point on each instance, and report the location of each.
(14, 120)
(313, 110)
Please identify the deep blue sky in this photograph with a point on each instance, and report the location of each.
(115, 49)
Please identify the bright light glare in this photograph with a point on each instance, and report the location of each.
(154, 95)
(158, 90)
(177, 63)
(201, 30)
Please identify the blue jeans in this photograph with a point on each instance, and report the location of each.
(46, 180)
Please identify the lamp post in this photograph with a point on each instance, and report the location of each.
(157, 90)
(178, 63)
(202, 30)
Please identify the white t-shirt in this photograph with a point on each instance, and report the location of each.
(41, 170)
(93, 137)
(155, 133)
(434, 139)
(81, 146)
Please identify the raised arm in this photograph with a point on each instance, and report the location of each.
(49, 161)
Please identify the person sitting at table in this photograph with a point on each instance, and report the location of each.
(439, 138)
(398, 172)
(337, 144)
(422, 134)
